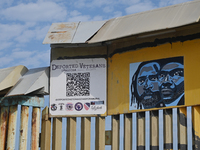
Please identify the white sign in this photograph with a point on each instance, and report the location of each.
(78, 87)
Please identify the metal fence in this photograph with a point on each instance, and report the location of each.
(176, 128)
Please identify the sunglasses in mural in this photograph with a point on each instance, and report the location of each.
(157, 83)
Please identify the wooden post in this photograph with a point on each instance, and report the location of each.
(196, 127)
(182, 128)
(154, 130)
(12, 123)
(141, 131)
(57, 134)
(35, 128)
(3, 126)
(24, 127)
(100, 133)
(46, 130)
(71, 133)
(128, 131)
(115, 132)
(168, 131)
(85, 133)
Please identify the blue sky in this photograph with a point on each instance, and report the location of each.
(24, 23)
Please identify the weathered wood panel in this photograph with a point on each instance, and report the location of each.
(115, 132)
(3, 126)
(57, 134)
(46, 130)
(24, 127)
(35, 128)
(71, 133)
(85, 133)
(100, 133)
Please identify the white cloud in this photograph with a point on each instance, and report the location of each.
(79, 18)
(140, 7)
(5, 45)
(117, 14)
(30, 59)
(35, 12)
(163, 3)
(74, 13)
(4, 3)
(108, 9)
(97, 18)
(41, 32)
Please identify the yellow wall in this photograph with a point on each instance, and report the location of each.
(118, 72)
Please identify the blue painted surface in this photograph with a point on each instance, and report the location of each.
(22, 100)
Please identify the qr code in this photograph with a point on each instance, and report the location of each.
(78, 84)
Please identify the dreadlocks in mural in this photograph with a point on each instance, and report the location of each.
(158, 83)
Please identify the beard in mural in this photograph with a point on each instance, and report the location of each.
(158, 83)
(146, 85)
(172, 83)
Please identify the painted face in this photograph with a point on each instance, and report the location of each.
(147, 85)
(172, 82)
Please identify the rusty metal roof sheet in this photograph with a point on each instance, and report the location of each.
(154, 20)
(75, 32)
(34, 81)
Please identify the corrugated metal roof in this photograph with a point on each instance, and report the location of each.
(10, 76)
(35, 80)
(154, 20)
(77, 32)
(21, 81)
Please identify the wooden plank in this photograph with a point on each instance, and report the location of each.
(3, 126)
(85, 133)
(57, 134)
(34, 101)
(115, 132)
(168, 130)
(35, 128)
(24, 127)
(182, 128)
(154, 130)
(196, 127)
(71, 133)
(12, 123)
(128, 131)
(141, 131)
(100, 133)
(46, 130)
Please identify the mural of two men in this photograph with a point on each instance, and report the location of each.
(157, 83)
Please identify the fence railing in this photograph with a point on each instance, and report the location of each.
(177, 128)
(8, 128)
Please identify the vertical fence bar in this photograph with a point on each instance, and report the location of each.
(46, 130)
(182, 128)
(85, 133)
(71, 133)
(12, 123)
(35, 128)
(115, 132)
(100, 133)
(141, 131)
(128, 131)
(57, 134)
(3, 127)
(24, 127)
(196, 127)
(168, 134)
(154, 130)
